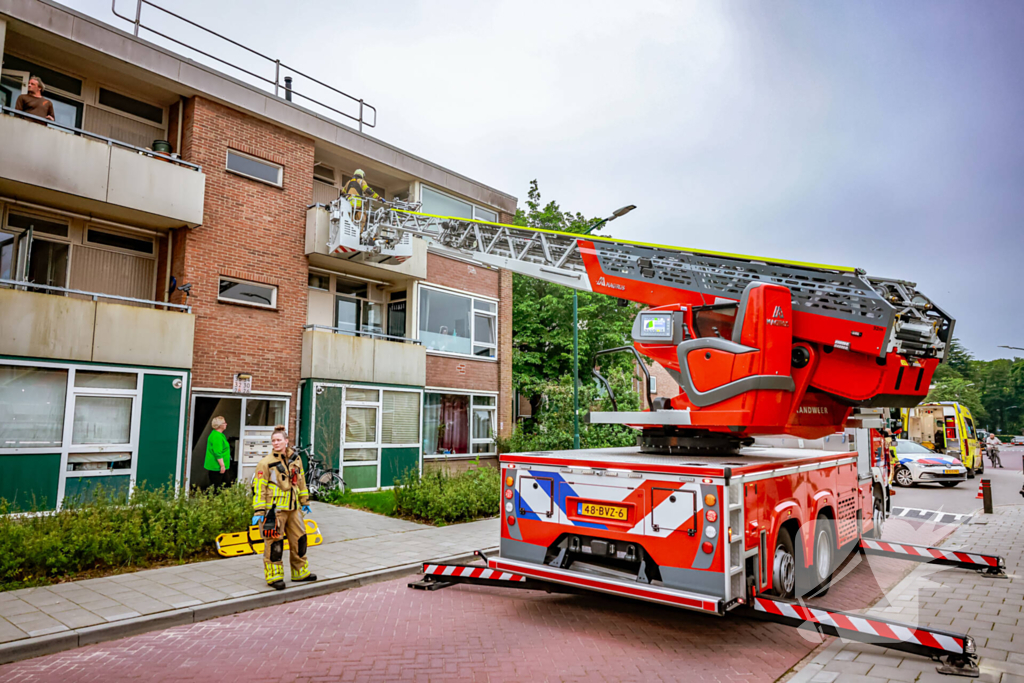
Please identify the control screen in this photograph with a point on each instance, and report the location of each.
(656, 326)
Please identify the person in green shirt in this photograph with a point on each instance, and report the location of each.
(218, 453)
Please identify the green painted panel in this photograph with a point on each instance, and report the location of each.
(327, 427)
(84, 488)
(29, 482)
(159, 429)
(363, 477)
(305, 412)
(394, 462)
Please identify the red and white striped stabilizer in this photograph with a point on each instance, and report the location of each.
(882, 632)
(464, 571)
(920, 553)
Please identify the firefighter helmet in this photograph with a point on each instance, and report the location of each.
(359, 173)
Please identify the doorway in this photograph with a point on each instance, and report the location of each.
(204, 409)
(251, 420)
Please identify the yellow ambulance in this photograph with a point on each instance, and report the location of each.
(946, 427)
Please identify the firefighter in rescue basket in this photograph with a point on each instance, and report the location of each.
(280, 499)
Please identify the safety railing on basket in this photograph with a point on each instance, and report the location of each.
(278, 65)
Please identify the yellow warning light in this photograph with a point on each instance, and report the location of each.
(509, 481)
(710, 500)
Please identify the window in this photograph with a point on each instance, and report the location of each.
(320, 282)
(7, 243)
(354, 312)
(240, 291)
(400, 418)
(396, 314)
(86, 379)
(37, 224)
(257, 169)
(323, 174)
(441, 204)
(447, 428)
(102, 420)
(455, 323)
(110, 239)
(32, 406)
(130, 105)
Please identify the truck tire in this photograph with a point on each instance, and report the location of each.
(784, 565)
(877, 515)
(814, 580)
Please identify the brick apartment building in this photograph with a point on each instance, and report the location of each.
(169, 288)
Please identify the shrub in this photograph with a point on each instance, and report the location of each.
(440, 497)
(109, 532)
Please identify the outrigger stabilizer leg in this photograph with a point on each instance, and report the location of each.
(956, 652)
(438, 576)
(988, 565)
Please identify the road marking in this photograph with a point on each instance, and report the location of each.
(934, 516)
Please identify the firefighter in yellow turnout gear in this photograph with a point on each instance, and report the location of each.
(359, 193)
(280, 485)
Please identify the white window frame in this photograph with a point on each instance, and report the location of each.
(18, 265)
(473, 312)
(380, 413)
(120, 233)
(279, 167)
(474, 209)
(472, 406)
(72, 392)
(224, 299)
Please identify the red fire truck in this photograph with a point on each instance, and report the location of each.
(766, 470)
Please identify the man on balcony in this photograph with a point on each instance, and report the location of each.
(34, 103)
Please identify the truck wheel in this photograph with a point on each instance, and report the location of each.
(904, 477)
(784, 565)
(815, 579)
(877, 516)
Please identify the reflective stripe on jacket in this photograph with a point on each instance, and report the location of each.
(279, 481)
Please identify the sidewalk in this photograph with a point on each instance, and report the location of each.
(988, 609)
(358, 548)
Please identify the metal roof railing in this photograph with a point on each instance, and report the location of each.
(278, 64)
(25, 285)
(110, 141)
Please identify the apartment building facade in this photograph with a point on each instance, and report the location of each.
(143, 293)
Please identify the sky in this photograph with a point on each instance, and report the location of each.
(872, 134)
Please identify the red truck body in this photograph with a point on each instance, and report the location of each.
(697, 527)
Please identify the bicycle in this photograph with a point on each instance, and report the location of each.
(319, 480)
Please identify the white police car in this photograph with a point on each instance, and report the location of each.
(918, 465)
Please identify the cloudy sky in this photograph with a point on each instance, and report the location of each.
(872, 134)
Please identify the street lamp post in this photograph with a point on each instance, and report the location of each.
(576, 336)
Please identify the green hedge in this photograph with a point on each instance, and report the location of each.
(109, 532)
(440, 497)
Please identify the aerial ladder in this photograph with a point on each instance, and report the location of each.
(758, 346)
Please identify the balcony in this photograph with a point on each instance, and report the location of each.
(71, 168)
(318, 233)
(329, 354)
(93, 327)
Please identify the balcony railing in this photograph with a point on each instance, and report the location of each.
(110, 141)
(24, 285)
(359, 333)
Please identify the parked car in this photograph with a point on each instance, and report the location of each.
(1017, 441)
(918, 465)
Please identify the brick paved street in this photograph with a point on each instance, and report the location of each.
(389, 632)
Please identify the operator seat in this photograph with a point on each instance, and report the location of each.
(757, 357)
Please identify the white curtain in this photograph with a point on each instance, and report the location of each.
(31, 406)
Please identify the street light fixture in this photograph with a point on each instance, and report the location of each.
(1015, 348)
(618, 213)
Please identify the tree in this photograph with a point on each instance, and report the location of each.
(542, 335)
